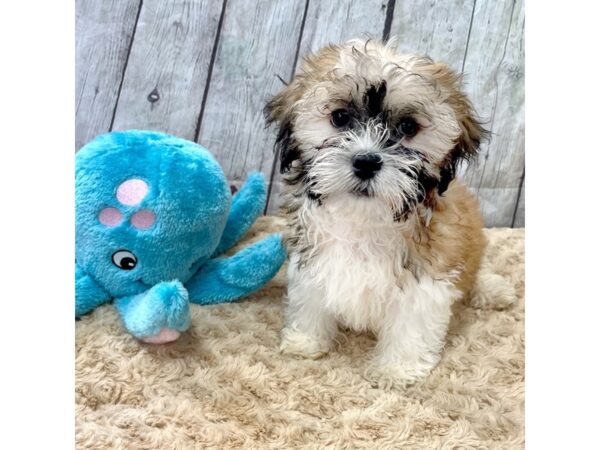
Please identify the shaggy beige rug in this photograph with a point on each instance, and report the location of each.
(225, 385)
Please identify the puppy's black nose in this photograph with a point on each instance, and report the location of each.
(365, 166)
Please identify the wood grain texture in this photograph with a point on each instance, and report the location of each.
(335, 22)
(332, 23)
(494, 66)
(103, 33)
(437, 28)
(256, 45)
(204, 69)
(519, 219)
(168, 67)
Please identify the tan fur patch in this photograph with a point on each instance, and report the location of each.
(454, 237)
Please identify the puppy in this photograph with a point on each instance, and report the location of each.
(380, 235)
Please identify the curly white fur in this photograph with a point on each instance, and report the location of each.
(356, 276)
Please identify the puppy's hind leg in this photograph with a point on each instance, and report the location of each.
(309, 328)
(412, 336)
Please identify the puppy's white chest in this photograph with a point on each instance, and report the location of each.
(357, 262)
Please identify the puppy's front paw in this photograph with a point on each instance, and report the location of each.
(297, 343)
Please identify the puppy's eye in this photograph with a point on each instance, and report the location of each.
(124, 259)
(409, 127)
(340, 118)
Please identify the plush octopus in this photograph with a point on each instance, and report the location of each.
(153, 215)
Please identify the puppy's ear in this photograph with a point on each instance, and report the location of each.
(472, 132)
(280, 110)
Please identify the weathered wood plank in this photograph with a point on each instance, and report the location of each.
(519, 219)
(335, 22)
(104, 30)
(437, 28)
(332, 23)
(168, 66)
(173, 49)
(256, 45)
(494, 65)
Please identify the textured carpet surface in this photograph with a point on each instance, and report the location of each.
(225, 385)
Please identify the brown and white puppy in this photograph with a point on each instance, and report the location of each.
(380, 235)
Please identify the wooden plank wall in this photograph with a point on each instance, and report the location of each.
(203, 70)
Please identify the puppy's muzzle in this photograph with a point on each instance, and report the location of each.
(365, 166)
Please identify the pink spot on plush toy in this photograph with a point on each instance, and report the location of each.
(143, 219)
(111, 217)
(166, 335)
(132, 192)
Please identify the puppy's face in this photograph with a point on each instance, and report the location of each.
(361, 119)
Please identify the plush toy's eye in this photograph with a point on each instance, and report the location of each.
(124, 259)
(340, 118)
(409, 127)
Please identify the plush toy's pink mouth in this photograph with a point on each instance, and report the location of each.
(164, 336)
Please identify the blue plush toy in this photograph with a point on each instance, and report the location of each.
(153, 213)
